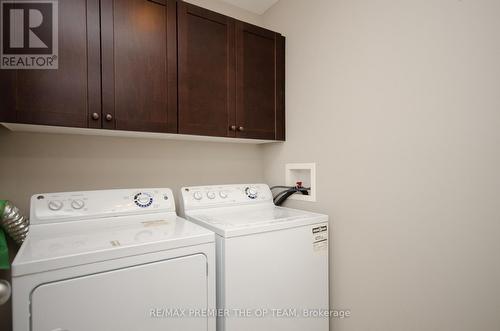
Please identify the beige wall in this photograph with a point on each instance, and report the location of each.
(35, 163)
(398, 102)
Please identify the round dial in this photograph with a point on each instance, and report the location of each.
(143, 199)
(223, 194)
(197, 196)
(55, 205)
(211, 195)
(251, 192)
(77, 204)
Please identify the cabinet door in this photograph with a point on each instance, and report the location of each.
(139, 65)
(206, 72)
(69, 95)
(260, 78)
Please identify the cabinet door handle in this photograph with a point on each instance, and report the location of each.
(109, 117)
(95, 116)
(241, 129)
(232, 128)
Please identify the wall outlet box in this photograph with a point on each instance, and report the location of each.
(305, 173)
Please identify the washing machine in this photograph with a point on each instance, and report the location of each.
(272, 262)
(113, 260)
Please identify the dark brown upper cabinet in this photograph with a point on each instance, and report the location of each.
(231, 77)
(139, 65)
(154, 66)
(206, 72)
(260, 78)
(65, 96)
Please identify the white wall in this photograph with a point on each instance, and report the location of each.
(398, 102)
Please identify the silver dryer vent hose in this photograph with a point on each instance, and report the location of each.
(14, 223)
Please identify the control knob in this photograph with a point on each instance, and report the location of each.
(251, 192)
(211, 195)
(197, 196)
(77, 204)
(55, 205)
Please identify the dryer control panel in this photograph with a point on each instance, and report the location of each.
(68, 206)
(198, 197)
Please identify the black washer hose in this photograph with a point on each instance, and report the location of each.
(281, 197)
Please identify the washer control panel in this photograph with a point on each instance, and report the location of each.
(68, 206)
(197, 197)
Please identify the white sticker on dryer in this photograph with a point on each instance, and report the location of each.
(320, 238)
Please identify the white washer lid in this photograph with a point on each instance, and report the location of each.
(243, 220)
(62, 245)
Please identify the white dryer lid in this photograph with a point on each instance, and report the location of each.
(61, 245)
(243, 220)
